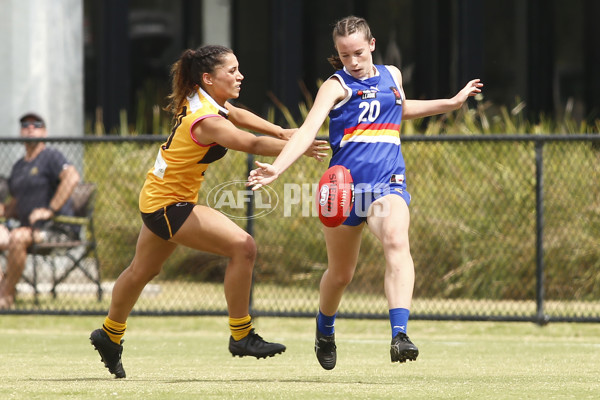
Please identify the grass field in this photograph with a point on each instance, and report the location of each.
(46, 357)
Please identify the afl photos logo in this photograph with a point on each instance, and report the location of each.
(238, 202)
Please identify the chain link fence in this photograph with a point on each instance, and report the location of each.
(503, 227)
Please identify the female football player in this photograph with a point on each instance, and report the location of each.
(365, 104)
(203, 81)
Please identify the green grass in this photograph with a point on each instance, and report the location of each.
(46, 357)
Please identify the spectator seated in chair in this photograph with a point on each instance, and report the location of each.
(40, 186)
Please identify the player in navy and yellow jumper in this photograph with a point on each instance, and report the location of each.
(205, 127)
(365, 104)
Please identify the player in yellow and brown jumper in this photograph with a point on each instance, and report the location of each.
(205, 127)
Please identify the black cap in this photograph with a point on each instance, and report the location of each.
(32, 115)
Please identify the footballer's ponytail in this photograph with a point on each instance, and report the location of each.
(186, 73)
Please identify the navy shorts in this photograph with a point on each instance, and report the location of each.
(166, 221)
(362, 202)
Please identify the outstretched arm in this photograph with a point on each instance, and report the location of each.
(412, 109)
(330, 92)
(248, 120)
(222, 131)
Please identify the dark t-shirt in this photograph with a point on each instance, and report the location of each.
(34, 183)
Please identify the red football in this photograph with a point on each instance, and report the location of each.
(335, 196)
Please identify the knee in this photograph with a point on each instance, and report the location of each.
(340, 279)
(19, 239)
(344, 280)
(245, 248)
(143, 274)
(396, 244)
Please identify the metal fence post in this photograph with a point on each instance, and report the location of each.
(250, 222)
(541, 318)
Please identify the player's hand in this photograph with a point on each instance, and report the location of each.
(318, 150)
(471, 89)
(261, 176)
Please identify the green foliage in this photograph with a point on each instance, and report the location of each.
(118, 169)
(472, 215)
(487, 118)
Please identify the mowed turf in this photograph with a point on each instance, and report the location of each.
(46, 357)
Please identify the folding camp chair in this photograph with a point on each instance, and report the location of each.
(66, 256)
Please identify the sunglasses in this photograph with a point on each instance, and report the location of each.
(36, 124)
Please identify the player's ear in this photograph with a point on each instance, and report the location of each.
(207, 79)
(372, 45)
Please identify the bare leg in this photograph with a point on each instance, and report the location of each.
(20, 240)
(150, 254)
(391, 228)
(343, 246)
(209, 230)
(206, 230)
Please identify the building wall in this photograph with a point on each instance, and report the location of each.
(278, 49)
(42, 64)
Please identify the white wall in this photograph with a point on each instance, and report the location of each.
(216, 24)
(41, 64)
